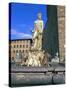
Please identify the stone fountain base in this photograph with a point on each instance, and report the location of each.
(36, 58)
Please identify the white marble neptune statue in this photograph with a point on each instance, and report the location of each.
(36, 55)
(37, 33)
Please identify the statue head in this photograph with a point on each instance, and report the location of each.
(39, 15)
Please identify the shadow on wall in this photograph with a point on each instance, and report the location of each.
(50, 32)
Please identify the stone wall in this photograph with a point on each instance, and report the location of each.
(61, 30)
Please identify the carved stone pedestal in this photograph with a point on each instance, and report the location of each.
(37, 58)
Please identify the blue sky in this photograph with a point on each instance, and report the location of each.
(23, 17)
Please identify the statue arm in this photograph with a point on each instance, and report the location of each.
(34, 28)
(42, 26)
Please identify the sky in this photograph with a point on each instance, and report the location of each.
(23, 17)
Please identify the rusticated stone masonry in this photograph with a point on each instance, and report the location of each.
(61, 30)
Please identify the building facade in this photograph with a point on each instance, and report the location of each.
(19, 46)
(61, 31)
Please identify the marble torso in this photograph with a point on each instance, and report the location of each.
(39, 25)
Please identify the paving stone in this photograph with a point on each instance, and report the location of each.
(59, 79)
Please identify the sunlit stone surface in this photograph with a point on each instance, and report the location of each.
(36, 58)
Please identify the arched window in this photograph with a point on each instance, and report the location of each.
(20, 46)
(13, 51)
(17, 46)
(23, 46)
(16, 51)
(14, 46)
(19, 50)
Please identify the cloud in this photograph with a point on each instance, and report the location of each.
(20, 34)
